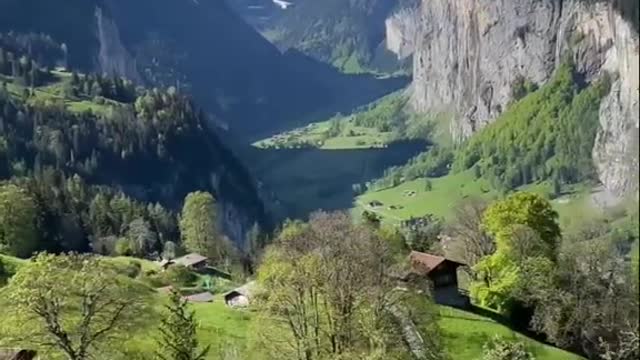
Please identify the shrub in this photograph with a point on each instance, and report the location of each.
(179, 275)
(133, 269)
(499, 348)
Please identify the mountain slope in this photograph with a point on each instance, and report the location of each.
(470, 57)
(348, 34)
(201, 47)
(153, 145)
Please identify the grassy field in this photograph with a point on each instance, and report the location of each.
(317, 135)
(412, 199)
(465, 334)
(53, 92)
(220, 327)
(445, 193)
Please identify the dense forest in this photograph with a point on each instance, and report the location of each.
(99, 158)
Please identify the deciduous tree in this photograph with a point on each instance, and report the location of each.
(18, 217)
(75, 305)
(198, 226)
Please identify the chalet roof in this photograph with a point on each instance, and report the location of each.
(190, 259)
(424, 263)
(199, 298)
(247, 290)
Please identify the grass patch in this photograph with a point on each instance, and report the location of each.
(445, 193)
(321, 136)
(53, 92)
(218, 326)
(465, 333)
(448, 191)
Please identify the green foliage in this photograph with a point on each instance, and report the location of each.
(433, 163)
(522, 208)
(526, 234)
(326, 286)
(521, 87)
(502, 349)
(74, 305)
(180, 276)
(343, 33)
(18, 222)
(63, 158)
(549, 134)
(178, 332)
(198, 226)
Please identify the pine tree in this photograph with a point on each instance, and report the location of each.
(178, 333)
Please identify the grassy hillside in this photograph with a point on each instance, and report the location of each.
(465, 334)
(413, 199)
(228, 330)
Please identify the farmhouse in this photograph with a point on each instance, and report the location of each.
(240, 297)
(193, 261)
(204, 297)
(442, 274)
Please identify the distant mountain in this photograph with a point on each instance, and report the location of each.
(202, 47)
(348, 34)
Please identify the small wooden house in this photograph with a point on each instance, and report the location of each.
(240, 297)
(442, 275)
(192, 261)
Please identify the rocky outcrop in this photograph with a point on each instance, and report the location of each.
(616, 148)
(402, 29)
(469, 53)
(113, 57)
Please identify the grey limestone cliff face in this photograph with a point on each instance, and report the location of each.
(402, 29)
(469, 53)
(113, 57)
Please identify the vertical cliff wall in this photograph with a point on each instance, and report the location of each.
(469, 53)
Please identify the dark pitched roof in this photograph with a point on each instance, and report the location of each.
(190, 259)
(423, 263)
(200, 298)
(247, 290)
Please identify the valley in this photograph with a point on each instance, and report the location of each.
(319, 180)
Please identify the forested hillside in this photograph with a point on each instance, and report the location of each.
(202, 48)
(348, 34)
(97, 154)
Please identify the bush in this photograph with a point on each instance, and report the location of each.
(3, 273)
(133, 269)
(123, 247)
(502, 349)
(179, 275)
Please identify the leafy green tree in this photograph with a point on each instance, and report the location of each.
(142, 239)
(18, 222)
(178, 331)
(198, 226)
(524, 227)
(524, 209)
(327, 283)
(76, 305)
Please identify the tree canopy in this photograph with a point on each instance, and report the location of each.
(75, 305)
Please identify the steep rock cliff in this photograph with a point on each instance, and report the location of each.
(113, 57)
(468, 54)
